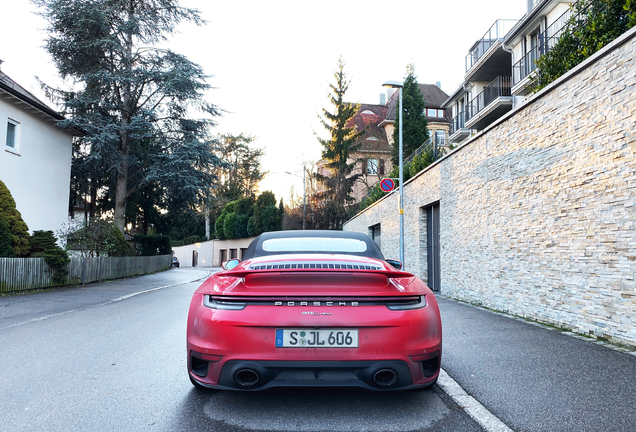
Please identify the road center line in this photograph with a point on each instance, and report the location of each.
(473, 408)
(115, 300)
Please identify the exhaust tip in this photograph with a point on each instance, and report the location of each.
(385, 377)
(246, 377)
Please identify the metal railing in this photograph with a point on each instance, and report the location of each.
(527, 64)
(434, 143)
(22, 274)
(458, 122)
(495, 33)
(499, 87)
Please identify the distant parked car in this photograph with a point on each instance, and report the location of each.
(175, 261)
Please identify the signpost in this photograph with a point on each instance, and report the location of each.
(387, 185)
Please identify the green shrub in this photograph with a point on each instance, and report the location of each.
(6, 250)
(43, 244)
(593, 25)
(98, 237)
(269, 218)
(219, 227)
(251, 227)
(191, 240)
(18, 228)
(229, 225)
(153, 245)
(240, 229)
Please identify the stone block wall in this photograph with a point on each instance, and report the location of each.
(538, 212)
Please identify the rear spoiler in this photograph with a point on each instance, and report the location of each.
(242, 273)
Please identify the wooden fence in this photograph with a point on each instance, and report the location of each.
(22, 274)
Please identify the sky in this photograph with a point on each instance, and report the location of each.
(271, 62)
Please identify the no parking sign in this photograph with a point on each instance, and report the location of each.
(387, 185)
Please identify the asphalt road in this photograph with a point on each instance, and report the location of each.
(98, 359)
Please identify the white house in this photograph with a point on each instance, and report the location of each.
(35, 157)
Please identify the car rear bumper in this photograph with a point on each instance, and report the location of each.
(373, 375)
(221, 342)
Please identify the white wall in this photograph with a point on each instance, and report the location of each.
(205, 251)
(38, 174)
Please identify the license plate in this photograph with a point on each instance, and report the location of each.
(322, 338)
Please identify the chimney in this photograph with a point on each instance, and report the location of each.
(1, 65)
(382, 99)
(439, 84)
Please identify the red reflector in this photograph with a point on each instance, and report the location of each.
(422, 357)
(210, 357)
(206, 357)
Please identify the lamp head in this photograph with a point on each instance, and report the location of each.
(393, 84)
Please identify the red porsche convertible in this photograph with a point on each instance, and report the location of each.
(313, 308)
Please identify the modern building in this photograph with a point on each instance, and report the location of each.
(484, 95)
(533, 36)
(35, 157)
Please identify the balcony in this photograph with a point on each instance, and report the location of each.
(527, 64)
(486, 58)
(493, 102)
(522, 70)
(458, 131)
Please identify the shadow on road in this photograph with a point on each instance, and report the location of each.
(321, 410)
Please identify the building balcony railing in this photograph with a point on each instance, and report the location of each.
(547, 40)
(458, 122)
(495, 33)
(525, 66)
(500, 87)
(432, 145)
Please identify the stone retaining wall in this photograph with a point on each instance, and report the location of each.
(538, 212)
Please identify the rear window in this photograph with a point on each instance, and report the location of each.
(314, 244)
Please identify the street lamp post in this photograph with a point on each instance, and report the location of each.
(304, 192)
(398, 85)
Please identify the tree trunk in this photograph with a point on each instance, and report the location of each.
(121, 191)
(207, 222)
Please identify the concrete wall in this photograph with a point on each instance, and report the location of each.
(236, 246)
(204, 254)
(38, 171)
(538, 212)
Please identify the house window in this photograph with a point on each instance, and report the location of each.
(440, 137)
(381, 167)
(432, 112)
(13, 135)
(372, 166)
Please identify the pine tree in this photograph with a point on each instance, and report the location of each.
(415, 126)
(336, 186)
(131, 100)
(17, 227)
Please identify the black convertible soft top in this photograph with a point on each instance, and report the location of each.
(256, 249)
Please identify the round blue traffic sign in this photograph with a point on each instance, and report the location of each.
(387, 185)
